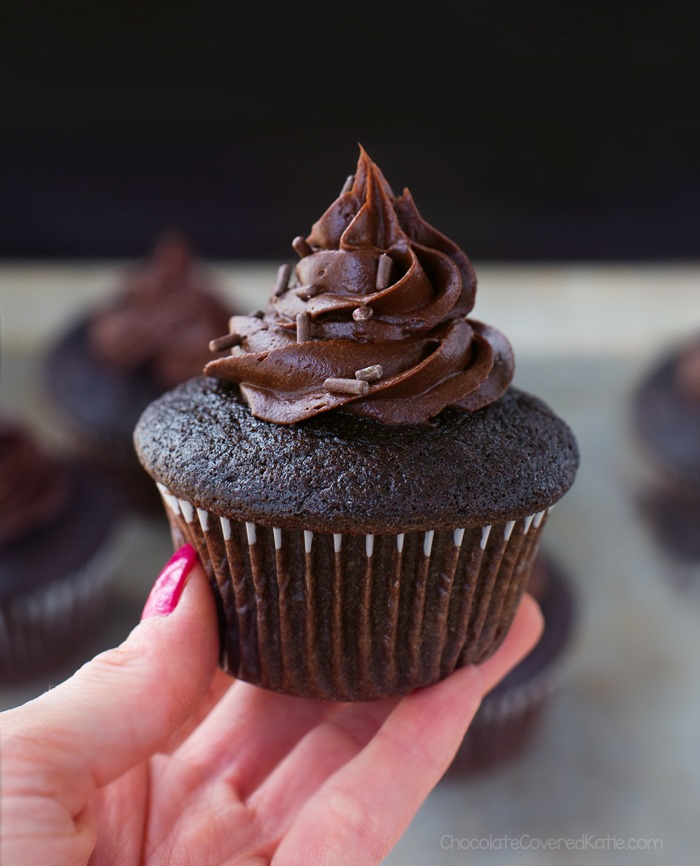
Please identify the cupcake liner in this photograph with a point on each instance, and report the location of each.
(666, 421)
(40, 629)
(504, 725)
(672, 516)
(401, 610)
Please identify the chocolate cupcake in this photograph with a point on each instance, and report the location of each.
(666, 411)
(512, 714)
(666, 423)
(363, 485)
(58, 555)
(672, 516)
(112, 361)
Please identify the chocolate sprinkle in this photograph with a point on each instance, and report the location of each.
(362, 314)
(347, 386)
(301, 246)
(303, 327)
(384, 271)
(370, 374)
(283, 273)
(220, 344)
(307, 292)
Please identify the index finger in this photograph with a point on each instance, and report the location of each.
(360, 812)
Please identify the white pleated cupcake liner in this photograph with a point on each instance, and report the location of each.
(40, 628)
(357, 617)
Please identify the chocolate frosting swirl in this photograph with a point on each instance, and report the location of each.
(379, 288)
(163, 318)
(33, 486)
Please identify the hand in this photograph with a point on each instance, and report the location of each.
(151, 755)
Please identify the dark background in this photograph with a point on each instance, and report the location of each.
(525, 130)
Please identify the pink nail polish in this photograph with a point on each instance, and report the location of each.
(166, 592)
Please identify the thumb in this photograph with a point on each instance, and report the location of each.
(122, 706)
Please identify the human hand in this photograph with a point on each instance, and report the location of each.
(150, 755)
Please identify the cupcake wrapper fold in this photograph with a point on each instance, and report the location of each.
(40, 629)
(357, 617)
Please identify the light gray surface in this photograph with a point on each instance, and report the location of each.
(618, 754)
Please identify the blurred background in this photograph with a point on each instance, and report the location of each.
(557, 144)
(536, 130)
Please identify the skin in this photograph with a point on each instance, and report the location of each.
(154, 756)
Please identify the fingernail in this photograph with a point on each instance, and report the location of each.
(166, 592)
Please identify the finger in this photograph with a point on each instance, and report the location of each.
(243, 740)
(325, 749)
(249, 732)
(123, 705)
(317, 756)
(220, 685)
(357, 815)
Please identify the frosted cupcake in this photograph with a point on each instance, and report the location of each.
(150, 334)
(364, 486)
(666, 414)
(666, 423)
(58, 555)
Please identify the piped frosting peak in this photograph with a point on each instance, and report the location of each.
(373, 323)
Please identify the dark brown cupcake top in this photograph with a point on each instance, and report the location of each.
(163, 317)
(375, 322)
(339, 473)
(33, 486)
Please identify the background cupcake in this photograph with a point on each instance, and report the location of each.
(512, 714)
(58, 554)
(666, 411)
(666, 422)
(365, 488)
(150, 334)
